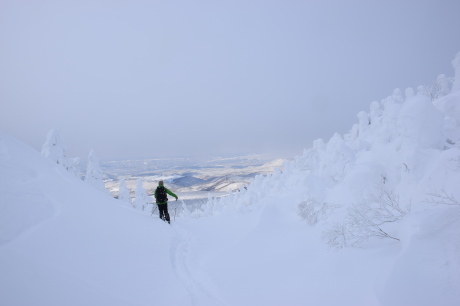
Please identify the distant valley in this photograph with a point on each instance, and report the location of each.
(192, 179)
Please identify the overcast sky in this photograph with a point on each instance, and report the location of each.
(133, 79)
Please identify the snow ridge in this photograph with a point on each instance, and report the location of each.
(396, 149)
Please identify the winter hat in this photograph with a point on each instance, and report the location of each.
(160, 183)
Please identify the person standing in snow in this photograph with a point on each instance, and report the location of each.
(161, 197)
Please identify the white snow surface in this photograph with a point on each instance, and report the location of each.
(63, 242)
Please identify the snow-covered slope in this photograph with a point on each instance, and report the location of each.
(66, 243)
(368, 218)
(395, 176)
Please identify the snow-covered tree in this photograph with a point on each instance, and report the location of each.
(442, 85)
(74, 166)
(364, 122)
(55, 150)
(420, 124)
(185, 211)
(142, 199)
(421, 90)
(438, 89)
(373, 178)
(94, 173)
(124, 193)
(456, 65)
(375, 112)
(397, 96)
(409, 92)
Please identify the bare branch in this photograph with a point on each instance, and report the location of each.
(336, 235)
(366, 220)
(442, 198)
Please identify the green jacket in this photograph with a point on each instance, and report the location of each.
(168, 192)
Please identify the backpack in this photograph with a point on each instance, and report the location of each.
(160, 195)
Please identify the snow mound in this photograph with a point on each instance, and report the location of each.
(23, 203)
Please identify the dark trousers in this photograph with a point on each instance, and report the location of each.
(163, 209)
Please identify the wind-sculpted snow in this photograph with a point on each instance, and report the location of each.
(429, 261)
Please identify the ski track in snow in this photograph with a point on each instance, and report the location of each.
(199, 292)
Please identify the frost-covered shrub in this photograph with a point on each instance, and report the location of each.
(142, 200)
(313, 211)
(336, 235)
(367, 220)
(124, 193)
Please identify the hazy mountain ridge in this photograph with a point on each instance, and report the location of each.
(217, 175)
